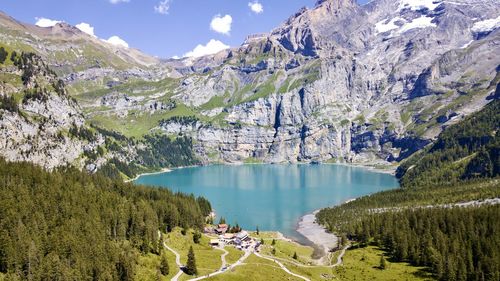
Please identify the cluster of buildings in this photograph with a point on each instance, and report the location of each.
(240, 240)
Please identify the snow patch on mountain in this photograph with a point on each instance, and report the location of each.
(416, 5)
(467, 44)
(421, 22)
(385, 25)
(388, 25)
(486, 25)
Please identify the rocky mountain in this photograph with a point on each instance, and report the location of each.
(343, 81)
(39, 122)
(366, 83)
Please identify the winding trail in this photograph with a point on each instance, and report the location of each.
(177, 261)
(473, 203)
(341, 255)
(282, 266)
(222, 270)
(338, 263)
(223, 257)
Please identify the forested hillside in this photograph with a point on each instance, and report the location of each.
(419, 224)
(467, 150)
(68, 225)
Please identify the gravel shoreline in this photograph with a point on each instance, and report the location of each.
(316, 233)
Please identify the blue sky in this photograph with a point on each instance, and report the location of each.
(163, 28)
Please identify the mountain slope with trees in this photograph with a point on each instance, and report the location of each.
(412, 224)
(68, 225)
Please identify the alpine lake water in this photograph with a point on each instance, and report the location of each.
(272, 197)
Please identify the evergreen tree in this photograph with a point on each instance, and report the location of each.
(262, 241)
(13, 57)
(295, 255)
(3, 55)
(222, 220)
(196, 237)
(191, 263)
(273, 251)
(273, 242)
(164, 267)
(158, 275)
(382, 262)
(257, 230)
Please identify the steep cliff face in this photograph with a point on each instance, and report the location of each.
(364, 83)
(37, 117)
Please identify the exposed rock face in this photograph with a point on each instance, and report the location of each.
(42, 142)
(36, 129)
(377, 63)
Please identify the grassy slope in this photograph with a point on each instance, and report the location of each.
(255, 268)
(362, 264)
(207, 259)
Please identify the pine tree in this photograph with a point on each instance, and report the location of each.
(295, 256)
(257, 230)
(196, 237)
(382, 262)
(222, 220)
(273, 251)
(3, 55)
(191, 263)
(273, 242)
(13, 57)
(164, 267)
(262, 241)
(158, 275)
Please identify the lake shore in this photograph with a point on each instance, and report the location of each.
(317, 234)
(385, 170)
(164, 170)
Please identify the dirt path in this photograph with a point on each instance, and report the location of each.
(339, 260)
(474, 203)
(223, 257)
(229, 268)
(282, 266)
(177, 261)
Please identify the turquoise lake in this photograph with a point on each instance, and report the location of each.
(272, 197)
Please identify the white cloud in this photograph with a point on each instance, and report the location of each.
(256, 7)
(163, 7)
(44, 22)
(118, 1)
(117, 41)
(212, 47)
(221, 24)
(87, 28)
